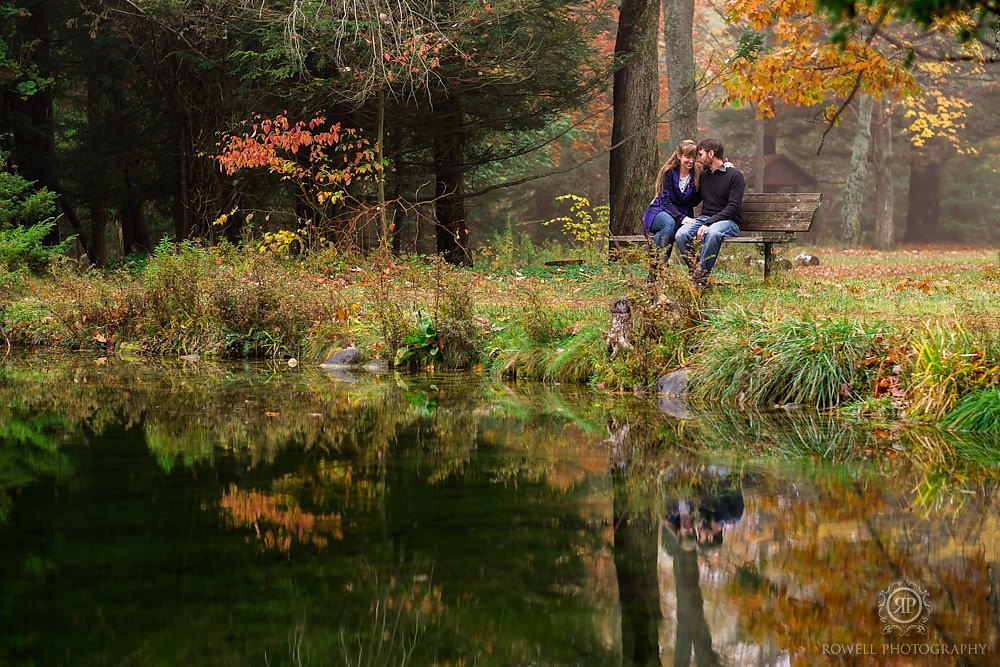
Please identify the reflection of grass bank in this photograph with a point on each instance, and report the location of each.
(939, 470)
(196, 413)
(907, 334)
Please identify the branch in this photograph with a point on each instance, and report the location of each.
(944, 58)
(700, 85)
(857, 81)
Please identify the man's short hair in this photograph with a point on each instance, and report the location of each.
(711, 145)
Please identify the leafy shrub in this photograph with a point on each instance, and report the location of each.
(21, 205)
(30, 322)
(586, 224)
(458, 334)
(420, 346)
(450, 337)
(25, 221)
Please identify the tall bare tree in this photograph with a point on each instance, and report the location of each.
(885, 229)
(854, 189)
(633, 159)
(678, 28)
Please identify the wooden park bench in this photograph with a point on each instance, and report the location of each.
(768, 218)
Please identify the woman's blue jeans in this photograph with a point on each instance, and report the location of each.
(664, 229)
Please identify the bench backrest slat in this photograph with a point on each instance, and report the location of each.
(780, 211)
(794, 207)
(778, 197)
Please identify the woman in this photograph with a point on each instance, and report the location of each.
(677, 185)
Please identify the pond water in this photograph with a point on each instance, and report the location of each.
(164, 513)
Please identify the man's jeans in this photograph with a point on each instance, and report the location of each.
(711, 242)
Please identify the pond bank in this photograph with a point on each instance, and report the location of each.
(871, 340)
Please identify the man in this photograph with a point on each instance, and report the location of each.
(722, 187)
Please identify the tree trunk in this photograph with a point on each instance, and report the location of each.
(385, 233)
(98, 234)
(854, 189)
(135, 233)
(882, 161)
(98, 251)
(638, 588)
(183, 204)
(449, 203)
(678, 28)
(694, 637)
(924, 209)
(398, 214)
(633, 160)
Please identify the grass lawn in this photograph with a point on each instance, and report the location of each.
(906, 285)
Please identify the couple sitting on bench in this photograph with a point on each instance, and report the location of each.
(695, 174)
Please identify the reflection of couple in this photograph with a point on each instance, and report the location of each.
(700, 522)
(696, 174)
(691, 525)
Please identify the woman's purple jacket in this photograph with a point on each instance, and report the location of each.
(676, 203)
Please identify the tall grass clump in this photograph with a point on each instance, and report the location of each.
(265, 306)
(229, 301)
(978, 411)
(948, 363)
(743, 357)
(99, 309)
(576, 359)
(30, 322)
(542, 332)
(385, 310)
(546, 344)
(178, 286)
(459, 338)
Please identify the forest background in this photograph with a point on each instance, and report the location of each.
(449, 126)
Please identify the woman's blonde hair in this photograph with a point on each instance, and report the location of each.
(686, 148)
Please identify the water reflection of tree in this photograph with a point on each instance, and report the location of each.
(833, 543)
(635, 454)
(693, 634)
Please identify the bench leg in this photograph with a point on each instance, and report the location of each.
(767, 260)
